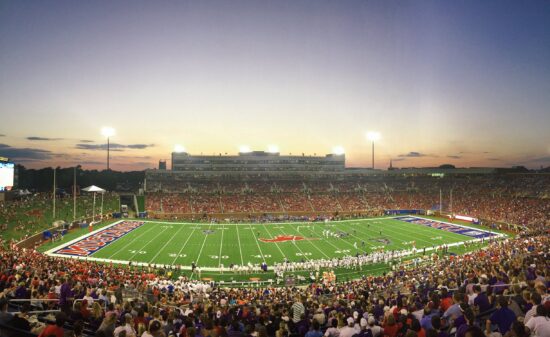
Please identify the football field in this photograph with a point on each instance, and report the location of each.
(216, 246)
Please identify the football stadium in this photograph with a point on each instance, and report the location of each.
(278, 168)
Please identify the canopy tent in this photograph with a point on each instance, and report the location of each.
(23, 192)
(95, 189)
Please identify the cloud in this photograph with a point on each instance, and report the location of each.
(86, 141)
(42, 138)
(113, 146)
(398, 159)
(540, 160)
(473, 152)
(91, 162)
(454, 156)
(413, 154)
(2, 135)
(494, 159)
(26, 153)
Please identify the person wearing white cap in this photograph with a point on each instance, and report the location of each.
(364, 331)
(349, 330)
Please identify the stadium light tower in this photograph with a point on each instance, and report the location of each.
(179, 148)
(273, 149)
(373, 136)
(338, 150)
(245, 149)
(107, 132)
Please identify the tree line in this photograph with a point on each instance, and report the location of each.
(41, 180)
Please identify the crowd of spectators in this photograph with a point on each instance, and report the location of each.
(522, 200)
(33, 213)
(500, 290)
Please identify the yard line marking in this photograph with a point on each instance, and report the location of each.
(311, 241)
(221, 245)
(172, 238)
(256, 240)
(349, 243)
(129, 243)
(240, 249)
(276, 244)
(185, 244)
(327, 241)
(393, 232)
(200, 251)
(148, 243)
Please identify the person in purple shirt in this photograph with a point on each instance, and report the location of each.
(66, 295)
(21, 291)
(469, 318)
(426, 321)
(503, 317)
(481, 301)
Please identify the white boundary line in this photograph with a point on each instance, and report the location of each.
(266, 223)
(221, 245)
(50, 252)
(200, 251)
(129, 243)
(80, 238)
(240, 249)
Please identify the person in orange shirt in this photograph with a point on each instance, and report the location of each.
(446, 300)
(55, 329)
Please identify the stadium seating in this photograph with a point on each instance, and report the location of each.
(472, 294)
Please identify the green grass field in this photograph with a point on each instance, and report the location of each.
(213, 245)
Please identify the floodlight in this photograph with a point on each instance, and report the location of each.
(244, 149)
(179, 149)
(338, 150)
(373, 136)
(273, 149)
(107, 131)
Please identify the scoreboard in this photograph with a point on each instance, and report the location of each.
(6, 175)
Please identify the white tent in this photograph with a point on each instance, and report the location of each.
(22, 193)
(94, 189)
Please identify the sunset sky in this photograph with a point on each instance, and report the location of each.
(459, 82)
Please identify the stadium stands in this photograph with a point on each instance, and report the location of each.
(512, 273)
(501, 289)
(513, 199)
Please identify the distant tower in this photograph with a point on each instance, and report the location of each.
(391, 167)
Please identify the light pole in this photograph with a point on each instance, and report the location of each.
(107, 132)
(373, 136)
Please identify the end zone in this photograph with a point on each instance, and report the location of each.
(474, 233)
(90, 243)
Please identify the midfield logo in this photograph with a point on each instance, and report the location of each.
(285, 238)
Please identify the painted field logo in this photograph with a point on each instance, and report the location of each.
(285, 238)
(92, 243)
(385, 241)
(208, 231)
